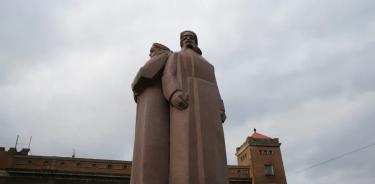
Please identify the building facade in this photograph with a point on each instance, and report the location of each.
(259, 162)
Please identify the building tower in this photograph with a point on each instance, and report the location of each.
(263, 156)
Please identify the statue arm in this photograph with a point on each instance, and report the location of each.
(221, 104)
(171, 88)
(148, 73)
(169, 78)
(222, 111)
(137, 85)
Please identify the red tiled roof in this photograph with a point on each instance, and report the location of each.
(257, 135)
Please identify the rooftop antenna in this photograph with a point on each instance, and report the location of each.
(29, 142)
(15, 146)
(74, 153)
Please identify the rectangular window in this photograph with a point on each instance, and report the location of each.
(268, 169)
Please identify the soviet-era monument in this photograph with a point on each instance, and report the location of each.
(179, 134)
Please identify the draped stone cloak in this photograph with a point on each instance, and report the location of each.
(151, 148)
(197, 147)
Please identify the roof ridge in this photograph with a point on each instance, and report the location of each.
(257, 135)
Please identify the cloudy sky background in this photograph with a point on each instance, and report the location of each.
(302, 71)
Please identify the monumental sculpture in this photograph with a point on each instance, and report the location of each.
(196, 149)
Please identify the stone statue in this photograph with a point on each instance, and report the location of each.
(197, 147)
(179, 134)
(151, 145)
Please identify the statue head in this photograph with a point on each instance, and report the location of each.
(157, 49)
(189, 39)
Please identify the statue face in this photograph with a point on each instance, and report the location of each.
(152, 52)
(188, 40)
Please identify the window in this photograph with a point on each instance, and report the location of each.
(268, 169)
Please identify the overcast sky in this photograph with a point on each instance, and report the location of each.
(302, 71)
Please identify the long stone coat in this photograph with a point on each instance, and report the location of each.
(197, 147)
(151, 147)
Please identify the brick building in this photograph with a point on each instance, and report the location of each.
(263, 156)
(259, 162)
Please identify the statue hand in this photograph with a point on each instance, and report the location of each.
(223, 116)
(179, 100)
